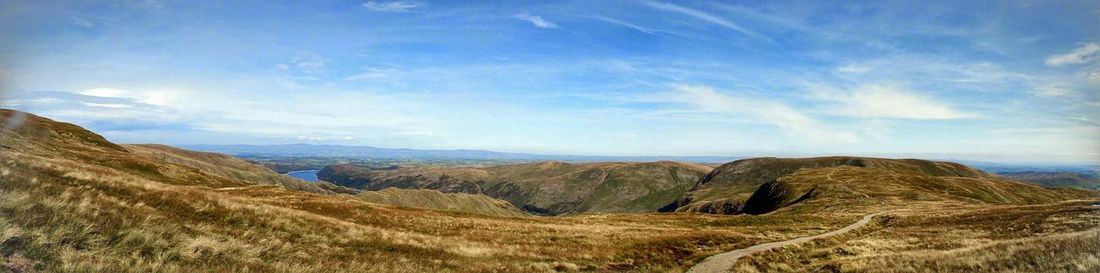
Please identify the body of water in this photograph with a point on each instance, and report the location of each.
(307, 175)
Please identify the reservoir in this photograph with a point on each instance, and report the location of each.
(307, 175)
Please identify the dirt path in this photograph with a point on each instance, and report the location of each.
(723, 262)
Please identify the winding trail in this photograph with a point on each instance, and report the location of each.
(724, 261)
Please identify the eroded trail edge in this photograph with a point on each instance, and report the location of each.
(724, 261)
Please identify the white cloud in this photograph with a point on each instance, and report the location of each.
(626, 24)
(326, 138)
(370, 74)
(157, 98)
(772, 112)
(105, 92)
(1079, 55)
(885, 101)
(927, 69)
(535, 20)
(1093, 75)
(1053, 90)
(701, 15)
(153, 97)
(853, 69)
(399, 6)
(305, 66)
(82, 21)
(107, 105)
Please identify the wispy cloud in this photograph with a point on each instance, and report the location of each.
(83, 21)
(107, 105)
(775, 113)
(1053, 90)
(326, 138)
(398, 6)
(1080, 55)
(152, 97)
(107, 110)
(625, 24)
(704, 16)
(371, 74)
(885, 101)
(535, 20)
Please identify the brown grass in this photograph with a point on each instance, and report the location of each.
(1062, 237)
(74, 217)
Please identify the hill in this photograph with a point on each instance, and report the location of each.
(1056, 179)
(229, 167)
(762, 185)
(71, 201)
(550, 187)
(433, 199)
(43, 137)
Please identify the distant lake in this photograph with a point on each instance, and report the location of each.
(307, 175)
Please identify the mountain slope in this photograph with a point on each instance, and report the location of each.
(229, 167)
(549, 187)
(762, 185)
(436, 200)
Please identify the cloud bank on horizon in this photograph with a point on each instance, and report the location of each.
(1006, 81)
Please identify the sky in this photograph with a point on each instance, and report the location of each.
(1004, 81)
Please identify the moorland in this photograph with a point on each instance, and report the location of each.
(72, 201)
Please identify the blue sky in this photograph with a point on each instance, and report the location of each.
(998, 81)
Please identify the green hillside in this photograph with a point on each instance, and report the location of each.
(549, 187)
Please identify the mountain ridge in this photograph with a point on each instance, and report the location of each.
(762, 185)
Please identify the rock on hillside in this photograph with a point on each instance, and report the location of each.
(550, 187)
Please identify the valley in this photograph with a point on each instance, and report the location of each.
(71, 201)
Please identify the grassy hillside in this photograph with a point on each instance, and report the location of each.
(228, 167)
(761, 185)
(433, 199)
(953, 237)
(543, 187)
(844, 187)
(72, 202)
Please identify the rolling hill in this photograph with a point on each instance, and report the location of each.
(41, 137)
(549, 187)
(762, 185)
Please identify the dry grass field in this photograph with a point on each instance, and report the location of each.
(64, 216)
(947, 237)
